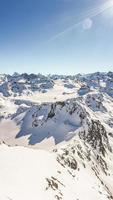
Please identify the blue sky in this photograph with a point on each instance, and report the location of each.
(56, 36)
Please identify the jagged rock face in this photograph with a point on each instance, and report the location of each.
(72, 158)
(4, 89)
(95, 102)
(96, 136)
(58, 120)
(17, 84)
(109, 87)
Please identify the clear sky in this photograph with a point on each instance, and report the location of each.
(56, 36)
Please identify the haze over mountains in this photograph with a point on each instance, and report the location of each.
(56, 135)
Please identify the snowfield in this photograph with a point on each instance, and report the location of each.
(56, 137)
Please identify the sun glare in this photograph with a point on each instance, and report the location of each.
(110, 8)
(110, 4)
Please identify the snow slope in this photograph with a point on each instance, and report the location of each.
(71, 172)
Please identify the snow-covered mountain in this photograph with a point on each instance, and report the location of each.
(56, 135)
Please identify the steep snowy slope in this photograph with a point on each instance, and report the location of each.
(73, 171)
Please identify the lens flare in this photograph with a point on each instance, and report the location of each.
(89, 14)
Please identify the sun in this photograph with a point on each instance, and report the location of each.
(106, 8)
(110, 3)
(109, 8)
